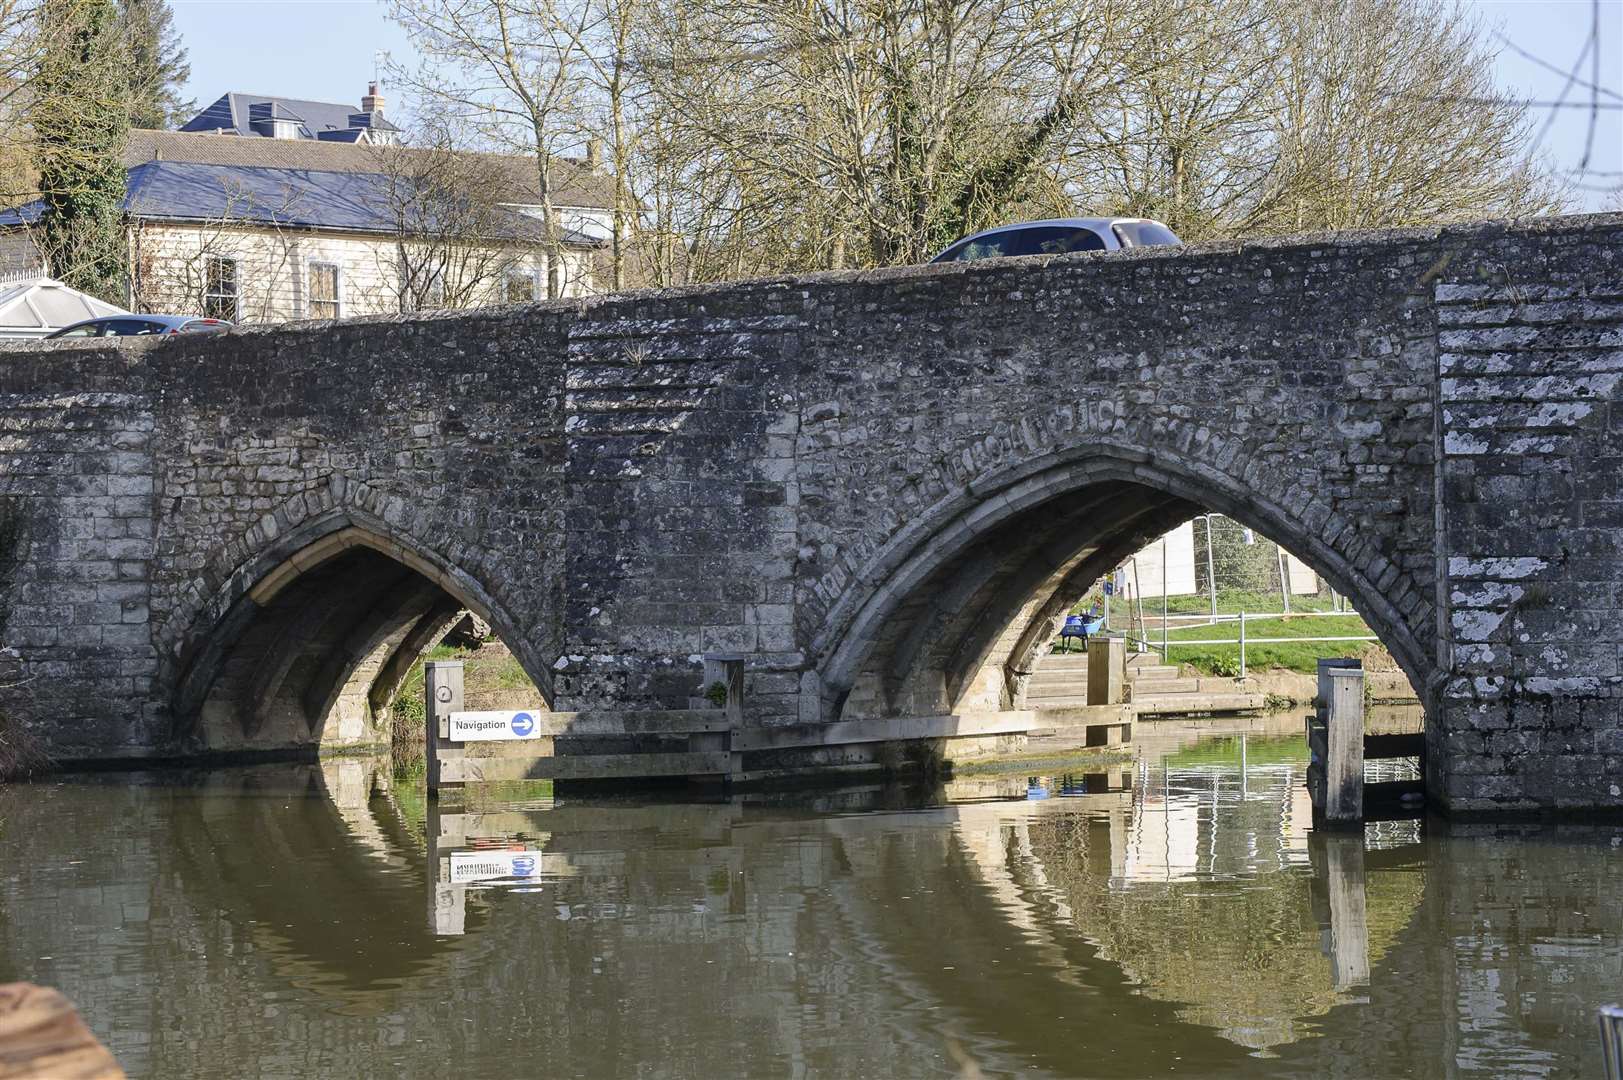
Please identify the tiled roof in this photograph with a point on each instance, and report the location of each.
(236, 111)
(164, 190)
(574, 185)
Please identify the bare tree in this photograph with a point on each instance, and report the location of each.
(1281, 116)
(239, 264)
(453, 244)
(514, 71)
(753, 136)
(875, 131)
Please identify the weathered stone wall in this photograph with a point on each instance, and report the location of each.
(1532, 487)
(880, 488)
(78, 664)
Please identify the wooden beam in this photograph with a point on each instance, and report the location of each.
(885, 729)
(1377, 747)
(459, 769)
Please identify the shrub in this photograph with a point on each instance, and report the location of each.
(22, 753)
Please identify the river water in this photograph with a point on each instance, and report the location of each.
(1169, 916)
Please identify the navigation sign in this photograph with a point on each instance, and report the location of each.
(492, 726)
(471, 866)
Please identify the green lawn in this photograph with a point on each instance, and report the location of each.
(1277, 750)
(1234, 601)
(1225, 659)
(1229, 602)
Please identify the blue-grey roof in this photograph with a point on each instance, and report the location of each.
(317, 119)
(287, 198)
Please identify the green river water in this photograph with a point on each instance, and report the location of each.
(1171, 916)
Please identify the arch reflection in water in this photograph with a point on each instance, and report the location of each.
(1173, 916)
(318, 871)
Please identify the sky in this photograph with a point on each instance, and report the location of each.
(325, 50)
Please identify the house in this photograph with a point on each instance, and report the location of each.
(287, 118)
(264, 209)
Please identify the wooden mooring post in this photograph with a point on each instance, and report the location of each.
(1335, 739)
(442, 696)
(727, 669)
(1340, 905)
(1107, 670)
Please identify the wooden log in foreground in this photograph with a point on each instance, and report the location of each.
(42, 1036)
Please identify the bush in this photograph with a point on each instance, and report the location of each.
(22, 753)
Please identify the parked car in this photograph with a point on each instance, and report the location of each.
(1060, 236)
(138, 325)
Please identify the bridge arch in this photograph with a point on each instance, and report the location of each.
(981, 579)
(314, 619)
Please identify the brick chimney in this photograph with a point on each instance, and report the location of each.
(373, 101)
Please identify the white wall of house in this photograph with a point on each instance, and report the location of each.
(19, 255)
(274, 270)
(590, 221)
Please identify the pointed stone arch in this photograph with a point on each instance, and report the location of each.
(344, 545)
(1024, 504)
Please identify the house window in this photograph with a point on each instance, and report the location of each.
(521, 286)
(323, 291)
(220, 288)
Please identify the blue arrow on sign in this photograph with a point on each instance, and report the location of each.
(522, 724)
(524, 866)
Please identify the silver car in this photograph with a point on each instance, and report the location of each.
(139, 326)
(1060, 236)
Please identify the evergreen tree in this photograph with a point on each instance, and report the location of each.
(157, 65)
(80, 116)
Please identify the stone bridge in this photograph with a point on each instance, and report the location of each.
(881, 488)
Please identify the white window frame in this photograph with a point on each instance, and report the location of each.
(337, 289)
(538, 288)
(211, 296)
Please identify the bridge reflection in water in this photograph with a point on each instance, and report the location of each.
(1171, 915)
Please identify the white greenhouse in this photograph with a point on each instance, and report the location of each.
(35, 306)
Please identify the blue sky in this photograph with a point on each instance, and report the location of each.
(324, 50)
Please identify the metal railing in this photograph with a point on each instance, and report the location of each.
(1167, 642)
(1611, 1040)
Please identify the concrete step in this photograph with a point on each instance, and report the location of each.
(1188, 685)
(1149, 672)
(1062, 662)
(1060, 677)
(1064, 689)
(1050, 704)
(1185, 704)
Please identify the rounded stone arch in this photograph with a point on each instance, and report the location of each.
(323, 532)
(1010, 502)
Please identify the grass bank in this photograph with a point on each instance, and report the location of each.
(1291, 656)
(1234, 601)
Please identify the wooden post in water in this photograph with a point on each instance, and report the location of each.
(1343, 869)
(447, 903)
(1107, 670)
(1336, 776)
(442, 696)
(728, 670)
